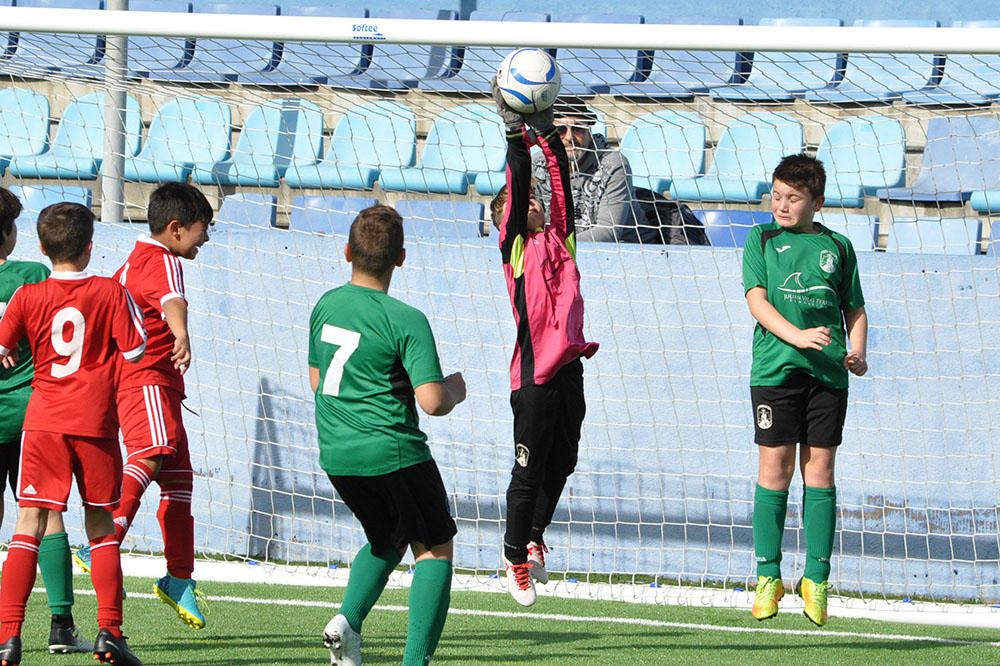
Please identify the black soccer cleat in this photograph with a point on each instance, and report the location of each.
(65, 638)
(111, 650)
(10, 652)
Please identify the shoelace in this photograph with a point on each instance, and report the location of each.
(538, 550)
(522, 575)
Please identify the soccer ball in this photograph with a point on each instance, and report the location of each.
(528, 80)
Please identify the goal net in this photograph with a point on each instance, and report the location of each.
(290, 138)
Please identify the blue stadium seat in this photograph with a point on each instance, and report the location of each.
(954, 235)
(860, 229)
(967, 80)
(729, 228)
(993, 246)
(441, 219)
(368, 138)
(680, 74)
(593, 71)
(881, 77)
(39, 54)
(664, 145)
(404, 66)
(158, 54)
(747, 152)
(962, 155)
(465, 141)
(24, 123)
(862, 154)
(273, 136)
(312, 63)
(326, 215)
(185, 131)
(36, 197)
(986, 201)
(78, 149)
(224, 60)
(246, 211)
(780, 76)
(479, 63)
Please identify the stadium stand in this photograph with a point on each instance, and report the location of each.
(246, 211)
(307, 64)
(967, 80)
(479, 64)
(860, 229)
(185, 131)
(273, 136)
(224, 60)
(949, 235)
(39, 54)
(664, 145)
(441, 219)
(743, 160)
(985, 201)
(149, 56)
(78, 148)
(588, 72)
(861, 155)
(24, 124)
(961, 156)
(464, 142)
(729, 228)
(367, 138)
(680, 74)
(326, 214)
(781, 77)
(36, 197)
(879, 77)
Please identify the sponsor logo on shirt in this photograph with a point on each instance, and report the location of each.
(796, 291)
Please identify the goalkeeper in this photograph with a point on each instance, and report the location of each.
(802, 286)
(546, 375)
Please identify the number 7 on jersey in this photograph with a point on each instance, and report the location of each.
(348, 342)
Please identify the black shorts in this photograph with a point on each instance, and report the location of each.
(401, 507)
(803, 411)
(10, 458)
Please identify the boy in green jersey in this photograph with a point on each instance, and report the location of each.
(15, 389)
(372, 359)
(802, 286)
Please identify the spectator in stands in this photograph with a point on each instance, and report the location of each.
(608, 208)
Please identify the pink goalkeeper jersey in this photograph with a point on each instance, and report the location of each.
(540, 268)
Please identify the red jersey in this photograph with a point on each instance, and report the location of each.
(153, 275)
(76, 325)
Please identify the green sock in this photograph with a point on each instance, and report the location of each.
(57, 572)
(430, 595)
(369, 574)
(819, 518)
(769, 507)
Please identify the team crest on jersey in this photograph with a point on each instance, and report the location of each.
(521, 454)
(827, 261)
(764, 417)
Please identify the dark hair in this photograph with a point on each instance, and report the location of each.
(10, 208)
(64, 230)
(574, 108)
(376, 239)
(497, 206)
(803, 172)
(177, 201)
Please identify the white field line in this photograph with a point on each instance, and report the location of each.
(560, 617)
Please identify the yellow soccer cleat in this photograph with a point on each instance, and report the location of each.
(814, 595)
(765, 600)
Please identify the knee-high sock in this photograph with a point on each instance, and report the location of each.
(106, 574)
(136, 477)
(16, 581)
(57, 572)
(430, 596)
(369, 574)
(177, 524)
(819, 518)
(769, 508)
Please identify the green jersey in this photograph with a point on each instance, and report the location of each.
(371, 351)
(15, 384)
(811, 280)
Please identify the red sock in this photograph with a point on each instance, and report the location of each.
(177, 526)
(106, 574)
(16, 581)
(135, 479)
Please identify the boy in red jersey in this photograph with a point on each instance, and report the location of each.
(76, 326)
(546, 375)
(150, 393)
